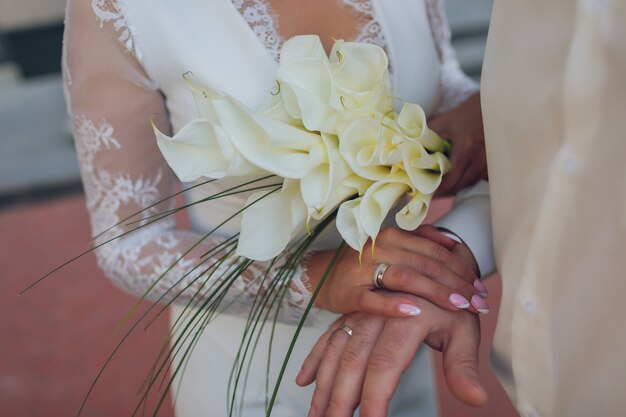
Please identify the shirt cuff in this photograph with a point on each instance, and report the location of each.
(470, 219)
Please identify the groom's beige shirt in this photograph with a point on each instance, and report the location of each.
(554, 97)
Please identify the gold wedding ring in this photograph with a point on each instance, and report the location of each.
(345, 328)
(379, 274)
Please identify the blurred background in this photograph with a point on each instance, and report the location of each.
(54, 339)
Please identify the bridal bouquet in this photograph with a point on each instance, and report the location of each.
(329, 130)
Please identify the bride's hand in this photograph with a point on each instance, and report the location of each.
(463, 127)
(420, 263)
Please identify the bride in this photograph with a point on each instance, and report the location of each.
(123, 64)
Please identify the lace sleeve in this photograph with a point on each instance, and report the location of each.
(111, 100)
(456, 86)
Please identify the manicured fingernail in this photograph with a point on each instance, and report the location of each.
(480, 287)
(480, 304)
(451, 236)
(458, 301)
(409, 309)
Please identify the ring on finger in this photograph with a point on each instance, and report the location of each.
(346, 328)
(379, 274)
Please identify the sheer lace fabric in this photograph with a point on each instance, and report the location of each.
(111, 100)
(456, 87)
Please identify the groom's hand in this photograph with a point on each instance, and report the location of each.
(365, 368)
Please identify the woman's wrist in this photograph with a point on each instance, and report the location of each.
(316, 263)
(305, 277)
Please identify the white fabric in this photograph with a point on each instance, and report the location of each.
(470, 219)
(123, 63)
(553, 100)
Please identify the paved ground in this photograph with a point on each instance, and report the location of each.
(54, 339)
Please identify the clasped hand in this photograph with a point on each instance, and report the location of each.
(431, 292)
(365, 368)
(424, 263)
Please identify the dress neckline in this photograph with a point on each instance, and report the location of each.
(262, 21)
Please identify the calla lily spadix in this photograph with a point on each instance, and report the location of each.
(330, 131)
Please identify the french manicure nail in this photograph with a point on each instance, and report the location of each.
(480, 287)
(451, 236)
(409, 309)
(458, 301)
(480, 304)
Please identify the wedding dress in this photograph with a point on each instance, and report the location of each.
(123, 63)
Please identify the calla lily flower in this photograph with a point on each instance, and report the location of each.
(271, 221)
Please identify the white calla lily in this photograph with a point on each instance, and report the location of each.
(271, 221)
(414, 212)
(412, 122)
(272, 145)
(302, 47)
(376, 204)
(424, 169)
(368, 146)
(358, 145)
(349, 224)
(328, 171)
(201, 149)
(361, 78)
(306, 84)
(274, 108)
(204, 97)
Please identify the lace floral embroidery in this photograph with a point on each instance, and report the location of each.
(264, 23)
(113, 11)
(370, 31)
(135, 261)
(456, 87)
(106, 192)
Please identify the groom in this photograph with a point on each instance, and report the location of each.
(554, 102)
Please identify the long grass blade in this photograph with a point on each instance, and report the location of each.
(300, 325)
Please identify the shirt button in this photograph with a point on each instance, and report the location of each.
(530, 307)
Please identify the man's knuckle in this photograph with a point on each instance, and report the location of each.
(332, 349)
(383, 360)
(351, 360)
